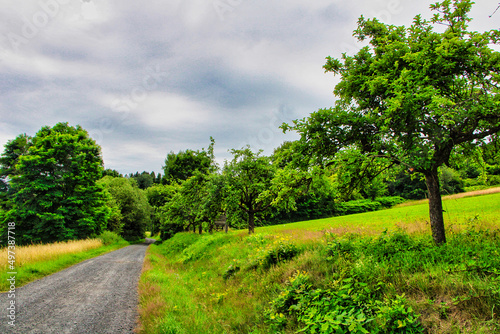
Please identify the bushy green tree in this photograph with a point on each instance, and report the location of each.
(159, 196)
(13, 150)
(412, 96)
(133, 203)
(55, 195)
(248, 176)
(183, 165)
(144, 180)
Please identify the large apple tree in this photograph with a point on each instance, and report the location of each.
(412, 96)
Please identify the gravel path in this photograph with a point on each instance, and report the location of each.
(96, 296)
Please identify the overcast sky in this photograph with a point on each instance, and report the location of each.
(148, 77)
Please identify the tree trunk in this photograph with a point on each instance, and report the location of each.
(194, 228)
(435, 207)
(200, 229)
(251, 222)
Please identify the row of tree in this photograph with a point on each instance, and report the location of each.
(413, 98)
(414, 105)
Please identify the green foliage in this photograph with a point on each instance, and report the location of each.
(450, 181)
(133, 204)
(115, 221)
(110, 238)
(390, 201)
(144, 180)
(407, 186)
(394, 276)
(255, 187)
(280, 251)
(158, 196)
(349, 306)
(54, 195)
(111, 172)
(351, 207)
(394, 316)
(268, 254)
(186, 207)
(185, 164)
(410, 98)
(248, 176)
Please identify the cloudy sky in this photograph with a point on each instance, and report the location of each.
(148, 77)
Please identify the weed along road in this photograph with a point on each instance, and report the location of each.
(95, 296)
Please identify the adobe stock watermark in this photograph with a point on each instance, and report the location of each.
(225, 7)
(11, 260)
(268, 133)
(124, 104)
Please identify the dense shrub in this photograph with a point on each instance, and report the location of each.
(168, 230)
(109, 238)
(390, 201)
(493, 180)
(407, 186)
(450, 181)
(349, 306)
(358, 206)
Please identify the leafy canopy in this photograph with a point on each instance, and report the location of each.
(54, 192)
(412, 96)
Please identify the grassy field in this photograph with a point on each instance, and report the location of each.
(36, 261)
(459, 212)
(376, 272)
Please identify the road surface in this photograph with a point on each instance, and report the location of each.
(96, 296)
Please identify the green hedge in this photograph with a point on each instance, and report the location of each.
(365, 205)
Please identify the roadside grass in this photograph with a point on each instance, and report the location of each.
(376, 272)
(33, 262)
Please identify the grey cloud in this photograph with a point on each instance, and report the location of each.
(229, 72)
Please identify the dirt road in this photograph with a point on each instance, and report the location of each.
(96, 296)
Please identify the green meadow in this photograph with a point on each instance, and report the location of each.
(458, 213)
(376, 272)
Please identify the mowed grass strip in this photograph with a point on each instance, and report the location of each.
(33, 262)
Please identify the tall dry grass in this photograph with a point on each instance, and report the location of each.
(36, 253)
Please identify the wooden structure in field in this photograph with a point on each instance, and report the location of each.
(221, 223)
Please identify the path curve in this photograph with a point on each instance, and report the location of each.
(97, 296)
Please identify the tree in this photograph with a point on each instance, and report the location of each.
(181, 166)
(412, 96)
(187, 206)
(55, 195)
(111, 172)
(134, 207)
(254, 185)
(158, 196)
(13, 150)
(144, 180)
(248, 176)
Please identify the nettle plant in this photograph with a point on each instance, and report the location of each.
(348, 306)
